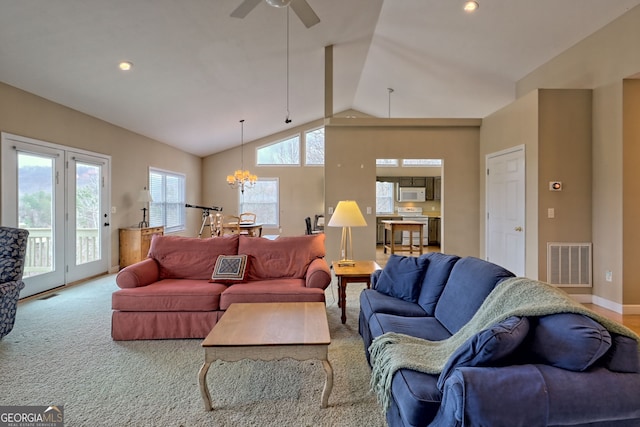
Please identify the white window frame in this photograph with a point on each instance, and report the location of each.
(392, 196)
(306, 147)
(181, 203)
(280, 141)
(393, 164)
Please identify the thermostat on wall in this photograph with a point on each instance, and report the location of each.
(555, 186)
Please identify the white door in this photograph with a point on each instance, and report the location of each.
(59, 196)
(505, 196)
(88, 225)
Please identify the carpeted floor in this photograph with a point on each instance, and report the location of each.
(60, 352)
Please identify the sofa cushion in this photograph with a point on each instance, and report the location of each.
(170, 295)
(285, 257)
(435, 279)
(427, 328)
(230, 269)
(372, 301)
(487, 347)
(469, 283)
(569, 341)
(402, 277)
(623, 356)
(189, 257)
(415, 397)
(281, 290)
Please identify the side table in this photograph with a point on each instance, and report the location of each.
(359, 272)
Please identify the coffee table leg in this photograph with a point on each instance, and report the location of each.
(328, 385)
(204, 390)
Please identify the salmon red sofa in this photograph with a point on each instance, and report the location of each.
(171, 294)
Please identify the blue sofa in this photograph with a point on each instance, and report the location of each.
(562, 369)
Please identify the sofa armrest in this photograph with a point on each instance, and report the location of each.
(142, 273)
(505, 396)
(374, 278)
(318, 274)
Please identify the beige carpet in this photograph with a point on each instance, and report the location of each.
(60, 353)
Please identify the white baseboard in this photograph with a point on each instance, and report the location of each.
(114, 269)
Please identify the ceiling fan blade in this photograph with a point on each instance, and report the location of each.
(304, 12)
(245, 7)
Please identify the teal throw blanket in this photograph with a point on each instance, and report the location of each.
(513, 297)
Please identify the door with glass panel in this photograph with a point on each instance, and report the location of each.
(88, 223)
(61, 197)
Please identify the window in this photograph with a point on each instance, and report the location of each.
(263, 200)
(168, 193)
(384, 197)
(387, 162)
(285, 152)
(314, 147)
(422, 162)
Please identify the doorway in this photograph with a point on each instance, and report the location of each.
(61, 195)
(505, 201)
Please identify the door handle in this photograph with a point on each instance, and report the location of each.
(518, 229)
(106, 224)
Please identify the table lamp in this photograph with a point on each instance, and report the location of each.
(347, 215)
(144, 197)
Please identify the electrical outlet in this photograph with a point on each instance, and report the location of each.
(368, 210)
(330, 210)
(608, 276)
(113, 209)
(551, 213)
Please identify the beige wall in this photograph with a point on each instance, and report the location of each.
(514, 125)
(301, 188)
(24, 114)
(601, 62)
(631, 191)
(352, 147)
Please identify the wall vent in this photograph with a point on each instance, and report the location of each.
(569, 264)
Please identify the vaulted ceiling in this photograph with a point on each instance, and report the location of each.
(197, 71)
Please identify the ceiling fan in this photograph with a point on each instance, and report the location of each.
(300, 7)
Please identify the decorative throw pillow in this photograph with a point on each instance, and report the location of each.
(402, 277)
(568, 340)
(488, 347)
(229, 269)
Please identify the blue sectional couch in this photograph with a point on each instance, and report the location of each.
(557, 369)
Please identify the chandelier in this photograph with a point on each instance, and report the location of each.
(242, 178)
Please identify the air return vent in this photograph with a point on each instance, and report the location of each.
(569, 264)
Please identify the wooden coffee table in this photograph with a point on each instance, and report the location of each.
(269, 331)
(359, 272)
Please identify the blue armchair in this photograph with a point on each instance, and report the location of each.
(13, 247)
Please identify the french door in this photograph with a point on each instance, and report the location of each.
(61, 195)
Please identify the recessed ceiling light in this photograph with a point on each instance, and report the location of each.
(471, 6)
(125, 65)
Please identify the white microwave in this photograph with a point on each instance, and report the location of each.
(411, 194)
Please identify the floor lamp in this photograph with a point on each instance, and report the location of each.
(347, 215)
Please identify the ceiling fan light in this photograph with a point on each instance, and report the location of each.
(278, 3)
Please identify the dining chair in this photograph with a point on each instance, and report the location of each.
(230, 224)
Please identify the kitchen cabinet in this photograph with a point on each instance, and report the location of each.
(437, 187)
(135, 242)
(412, 181)
(434, 231)
(429, 188)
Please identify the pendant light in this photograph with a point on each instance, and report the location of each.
(242, 178)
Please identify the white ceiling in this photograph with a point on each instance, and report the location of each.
(197, 71)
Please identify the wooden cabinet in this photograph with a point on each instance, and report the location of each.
(380, 230)
(135, 242)
(437, 187)
(412, 181)
(434, 231)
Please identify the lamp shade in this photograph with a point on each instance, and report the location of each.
(144, 196)
(347, 214)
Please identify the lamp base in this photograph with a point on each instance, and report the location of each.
(346, 263)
